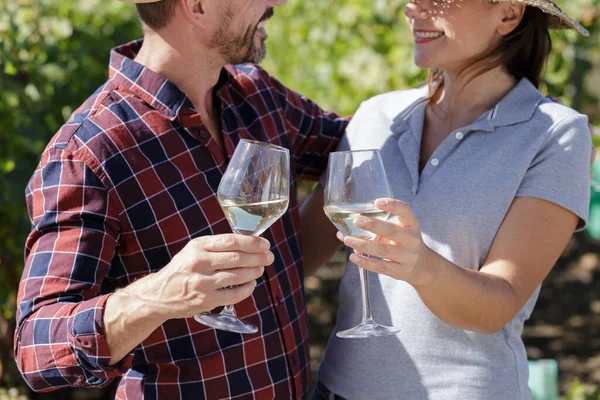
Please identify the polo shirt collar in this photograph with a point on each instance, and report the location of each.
(517, 106)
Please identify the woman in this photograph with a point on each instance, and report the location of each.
(491, 178)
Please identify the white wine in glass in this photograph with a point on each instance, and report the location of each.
(253, 219)
(253, 193)
(342, 216)
(355, 179)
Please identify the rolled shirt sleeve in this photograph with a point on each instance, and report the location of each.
(59, 340)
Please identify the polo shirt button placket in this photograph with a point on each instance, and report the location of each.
(435, 162)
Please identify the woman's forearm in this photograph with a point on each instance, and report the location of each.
(467, 299)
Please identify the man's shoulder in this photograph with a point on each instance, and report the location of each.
(102, 125)
(78, 122)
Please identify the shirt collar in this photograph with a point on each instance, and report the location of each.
(160, 93)
(517, 106)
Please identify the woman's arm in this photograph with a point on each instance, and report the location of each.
(318, 239)
(528, 244)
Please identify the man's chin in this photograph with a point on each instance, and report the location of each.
(259, 54)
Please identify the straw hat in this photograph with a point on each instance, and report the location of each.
(558, 18)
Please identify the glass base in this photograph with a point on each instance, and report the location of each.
(226, 322)
(366, 330)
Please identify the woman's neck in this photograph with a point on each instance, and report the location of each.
(462, 99)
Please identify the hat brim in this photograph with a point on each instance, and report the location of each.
(558, 18)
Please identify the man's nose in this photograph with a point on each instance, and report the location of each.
(417, 9)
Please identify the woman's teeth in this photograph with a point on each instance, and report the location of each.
(428, 35)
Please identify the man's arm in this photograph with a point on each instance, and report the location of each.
(318, 239)
(192, 282)
(67, 333)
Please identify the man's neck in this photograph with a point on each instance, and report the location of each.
(196, 74)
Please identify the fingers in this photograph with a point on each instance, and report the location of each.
(236, 259)
(387, 231)
(237, 276)
(383, 267)
(232, 242)
(393, 252)
(233, 295)
(406, 218)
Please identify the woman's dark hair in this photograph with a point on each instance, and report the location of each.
(523, 52)
(156, 15)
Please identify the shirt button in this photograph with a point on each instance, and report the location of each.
(435, 162)
(202, 134)
(460, 135)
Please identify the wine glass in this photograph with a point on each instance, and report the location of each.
(253, 193)
(355, 179)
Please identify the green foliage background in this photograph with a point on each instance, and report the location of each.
(53, 54)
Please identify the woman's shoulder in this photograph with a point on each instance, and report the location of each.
(556, 114)
(389, 105)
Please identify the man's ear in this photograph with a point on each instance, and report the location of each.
(196, 11)
(511, 17)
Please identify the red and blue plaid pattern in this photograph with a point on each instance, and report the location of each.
(120, 189)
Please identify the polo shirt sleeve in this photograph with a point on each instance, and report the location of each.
(59, 339)
(560, 171)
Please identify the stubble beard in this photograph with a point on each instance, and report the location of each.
(238, 49)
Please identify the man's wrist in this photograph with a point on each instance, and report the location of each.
(130, 316)
(141, 300)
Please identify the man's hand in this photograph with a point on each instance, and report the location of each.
(196, 280)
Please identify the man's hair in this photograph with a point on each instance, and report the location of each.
(156, 15)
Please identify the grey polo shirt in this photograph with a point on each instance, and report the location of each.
(525, 146)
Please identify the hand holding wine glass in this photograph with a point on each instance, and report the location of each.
(253, 193)
(355, 180)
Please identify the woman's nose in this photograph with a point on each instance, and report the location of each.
(417, 9)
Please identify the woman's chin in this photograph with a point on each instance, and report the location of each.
(424, 64)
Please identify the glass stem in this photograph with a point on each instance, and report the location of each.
(364, 291)
(228, 310)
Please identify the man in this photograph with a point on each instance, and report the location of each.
(128, 239)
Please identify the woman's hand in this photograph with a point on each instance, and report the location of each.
(400, 245)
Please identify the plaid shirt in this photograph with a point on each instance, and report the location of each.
(120, 189)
